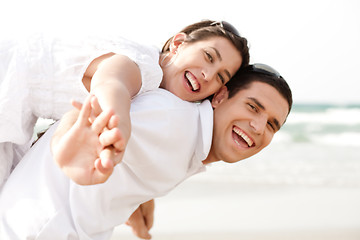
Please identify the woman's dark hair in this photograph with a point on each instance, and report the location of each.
(206, 29)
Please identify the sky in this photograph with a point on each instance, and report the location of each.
(315, 45)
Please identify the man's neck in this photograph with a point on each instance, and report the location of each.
(210, 159)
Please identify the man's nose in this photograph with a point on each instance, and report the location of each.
(258, 124)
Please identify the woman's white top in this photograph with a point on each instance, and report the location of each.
(40, 75)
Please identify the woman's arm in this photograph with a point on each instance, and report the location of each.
(115, 80)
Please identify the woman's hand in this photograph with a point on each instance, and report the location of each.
(84, 151)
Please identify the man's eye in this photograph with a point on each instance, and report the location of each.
(221, 78)
(253, 107)
(271, 125)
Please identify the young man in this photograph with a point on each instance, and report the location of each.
(170, 140)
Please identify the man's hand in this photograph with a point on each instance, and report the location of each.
(141, 221)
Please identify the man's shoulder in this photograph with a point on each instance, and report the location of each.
(162, 99)
(162, 109)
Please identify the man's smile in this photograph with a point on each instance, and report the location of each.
(241, 138)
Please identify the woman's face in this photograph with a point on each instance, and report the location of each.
(201, 68)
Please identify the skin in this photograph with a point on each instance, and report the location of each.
(114, 79)
(209, 63)
(258, 112)
(142, 220)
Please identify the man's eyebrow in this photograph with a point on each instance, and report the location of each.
(257, 102)
(220, 58)
(276, 122)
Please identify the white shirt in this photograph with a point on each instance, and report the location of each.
(40, 75)
(169, 140)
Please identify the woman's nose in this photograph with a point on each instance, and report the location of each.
(208, 74)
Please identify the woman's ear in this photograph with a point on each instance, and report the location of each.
(220, 96)
(177, 40)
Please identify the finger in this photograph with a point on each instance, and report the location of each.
(119, 146)
(101, 121)
(101, 175)
(107, 157)
(96, 108)
(85, 111)
(110, 137)
(138, 226)
(103, 172)
(114, 121)
(110, 157)
(113, 137)
(148, 212)
(76, 104)
(149, 221)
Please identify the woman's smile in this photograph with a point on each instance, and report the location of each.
(192, 82)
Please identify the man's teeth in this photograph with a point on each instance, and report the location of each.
(243, 136)
(192, 80)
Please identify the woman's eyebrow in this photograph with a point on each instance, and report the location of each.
(217, 53)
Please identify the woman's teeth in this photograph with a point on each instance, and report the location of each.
(192, 80)
(243, 136)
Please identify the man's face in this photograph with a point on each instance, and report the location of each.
(247, 122)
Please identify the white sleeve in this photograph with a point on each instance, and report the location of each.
(145, 56)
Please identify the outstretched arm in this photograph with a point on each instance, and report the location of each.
(79, 151)
(115, 79)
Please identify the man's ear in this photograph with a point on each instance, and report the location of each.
(220, 96)
(177, 40)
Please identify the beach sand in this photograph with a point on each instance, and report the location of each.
(302, 235)
(200, 210)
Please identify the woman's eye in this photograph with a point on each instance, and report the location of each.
(209, 56)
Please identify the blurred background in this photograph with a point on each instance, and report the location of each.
(306, 184)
